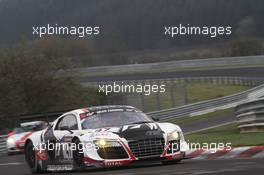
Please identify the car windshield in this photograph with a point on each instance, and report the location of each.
(28, 128)
(19, 130)
(111, 119)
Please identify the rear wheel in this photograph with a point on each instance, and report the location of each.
(78, 156)
(30, 157)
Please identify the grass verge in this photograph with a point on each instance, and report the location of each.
(226, 134)
(203, 91)
(195, 92)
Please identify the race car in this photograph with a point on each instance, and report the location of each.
(16, 139)
(103, 137)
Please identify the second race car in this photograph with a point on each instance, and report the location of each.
(16, 139)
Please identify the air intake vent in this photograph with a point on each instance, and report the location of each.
(147, 148)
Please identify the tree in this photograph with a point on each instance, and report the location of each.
(33, 82)
(247, 27)
(246, 47)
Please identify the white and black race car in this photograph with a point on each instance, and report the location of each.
(103, 136)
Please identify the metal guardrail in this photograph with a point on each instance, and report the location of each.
(209, 105)
(187, 110)
(3, 147)
(251, 81)
(48, 116)
(194, 63)
(182, 111)
(250, 116)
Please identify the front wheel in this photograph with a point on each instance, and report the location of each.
(30, 158)
(78, 156)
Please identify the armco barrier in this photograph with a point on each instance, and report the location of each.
(182, 111)
(193, 63)
(250, 116)
(3, 147)
(187, 110)
(48, 116)
(210, 105)
(250, 81)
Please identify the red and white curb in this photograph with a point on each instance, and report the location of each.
(236, 152)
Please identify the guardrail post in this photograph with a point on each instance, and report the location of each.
(172, 94)
(142, 97)
(183, 92)
(158, 96)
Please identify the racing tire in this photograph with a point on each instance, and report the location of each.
(78, 156)
(10, 153)
(30, 157)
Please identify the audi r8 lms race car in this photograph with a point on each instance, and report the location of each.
(103, 137)
(16, 139)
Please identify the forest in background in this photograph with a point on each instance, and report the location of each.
(132, 30)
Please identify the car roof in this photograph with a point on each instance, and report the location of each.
(31, 123)
(99, 108)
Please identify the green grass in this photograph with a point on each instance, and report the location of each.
(226, 134)
(199, 92)
(196, 92)
(165, 99)
(216, 114)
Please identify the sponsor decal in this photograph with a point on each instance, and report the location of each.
(116, 163)
(59, 167)
(41, 155)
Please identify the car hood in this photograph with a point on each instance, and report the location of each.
(19, 136)
(131, 132)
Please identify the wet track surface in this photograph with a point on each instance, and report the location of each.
(14, 165)
(206, 123)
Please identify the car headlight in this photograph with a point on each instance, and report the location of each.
(175, 135)
(102, 143)
(10, 141)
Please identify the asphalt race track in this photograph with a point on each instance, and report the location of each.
(206, 123)
(239, 72)
(14, 165)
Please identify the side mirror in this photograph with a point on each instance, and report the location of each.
(155, 119)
